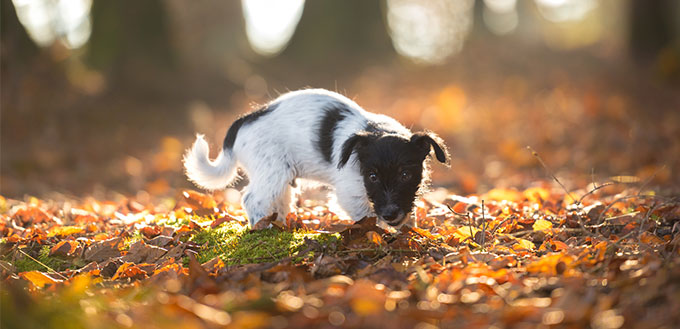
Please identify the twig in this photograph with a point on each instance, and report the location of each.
(594, 189)
(45, 266)
(472, 235)
(535, 154)
(501, 223)
(592, 176)
(483, 226)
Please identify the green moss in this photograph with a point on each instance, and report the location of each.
(172, 221)
(235, 244)
(137, 236)
(24, 263)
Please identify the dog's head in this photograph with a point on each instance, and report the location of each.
(393, 168)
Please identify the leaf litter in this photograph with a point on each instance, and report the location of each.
(506, 258)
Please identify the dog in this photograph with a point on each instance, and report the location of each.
(375, 165)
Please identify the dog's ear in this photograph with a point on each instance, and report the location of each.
(350, 145)
(427, 140)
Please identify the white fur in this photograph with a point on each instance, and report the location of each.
(281, 146)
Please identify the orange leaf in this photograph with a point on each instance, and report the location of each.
(85, 218)
(375, 238)
(601, 247)
(555, 263)
(63, 231)
(64, 248)
(198, 200)
(536, 194)
(542, 225)
(559, 245)
(421, 213)
(523, 244)
(650, 238)
(228, 218)
(32, 215)
(464, 232)
(150, 232)
(500, 194)
(424, 233)
(460, 207)
(129, 270)
(38, 279)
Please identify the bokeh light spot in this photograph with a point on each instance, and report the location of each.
(271, 23)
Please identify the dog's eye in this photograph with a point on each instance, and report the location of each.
(406, 175)
(373, 177)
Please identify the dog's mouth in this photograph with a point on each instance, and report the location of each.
(393, 220)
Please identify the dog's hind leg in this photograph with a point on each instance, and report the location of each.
(266, 195)
(285, 203)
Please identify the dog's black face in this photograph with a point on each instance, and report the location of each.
(392, 168)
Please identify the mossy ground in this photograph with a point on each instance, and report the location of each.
(25, 263)
(231, 242)
(236, 244)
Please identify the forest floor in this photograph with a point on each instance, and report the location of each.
(604, 256)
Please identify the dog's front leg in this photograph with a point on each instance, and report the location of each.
(351, 196)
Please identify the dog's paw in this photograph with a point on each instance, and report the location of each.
(265, 222)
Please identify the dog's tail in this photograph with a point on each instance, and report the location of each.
(211, 175)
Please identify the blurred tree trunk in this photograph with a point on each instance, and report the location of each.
(130, 42)
(651, 27)
(335, 35)
(16, 45)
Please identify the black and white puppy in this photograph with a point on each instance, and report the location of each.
(375, 165)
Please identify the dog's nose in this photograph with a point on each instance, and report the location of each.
(390, 213)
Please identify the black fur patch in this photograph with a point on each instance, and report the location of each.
(329, 122)
(230, 138)
(392, 168)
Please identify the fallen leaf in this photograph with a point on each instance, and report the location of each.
(375, 238)
(129, 271)
(65, 248)
(650, 238)
(523, 244)
(103, 250)
(542, 225)
(38, 279)
(141, 252)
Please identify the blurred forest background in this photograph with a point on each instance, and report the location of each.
(102, 97)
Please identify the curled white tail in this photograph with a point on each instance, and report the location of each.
(211, 175)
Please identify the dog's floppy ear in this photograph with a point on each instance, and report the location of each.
(352, 143)
(426, 140)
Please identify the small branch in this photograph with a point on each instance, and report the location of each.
(501, 223)
(535, 154)
(594, 190)
(472, 235)
(45, 266)
(483, 227)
